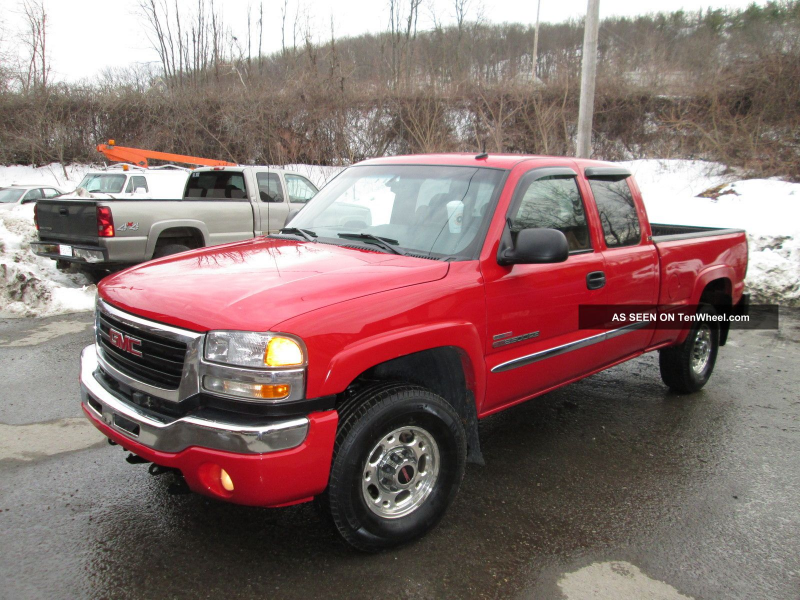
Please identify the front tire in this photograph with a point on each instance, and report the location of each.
(399, 459)
(687, 368)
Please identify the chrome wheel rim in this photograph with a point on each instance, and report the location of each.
(400, 472)
(701, 349)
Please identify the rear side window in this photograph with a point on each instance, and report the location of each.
(219, 185)
(553, 202)
(617, 211)
(139, 182)
(35, 194)
(269, 187)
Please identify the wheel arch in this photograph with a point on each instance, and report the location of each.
(452, 371)
(177, 230)
(715, 287)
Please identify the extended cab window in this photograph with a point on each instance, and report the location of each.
(553, 202)
(220, 185)
(300, 189)
(269, 187)
(617, 211)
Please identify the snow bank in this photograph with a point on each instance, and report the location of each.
(67, 178)
(768, 209)
(31, 286)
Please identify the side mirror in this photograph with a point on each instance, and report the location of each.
(533, 246)
(292, 214)
(140, 191)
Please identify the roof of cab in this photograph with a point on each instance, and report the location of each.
(496, 161)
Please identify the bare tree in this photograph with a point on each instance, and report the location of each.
(34, 40)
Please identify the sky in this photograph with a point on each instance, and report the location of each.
(87, 36)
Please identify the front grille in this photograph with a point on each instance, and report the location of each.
(161, 362)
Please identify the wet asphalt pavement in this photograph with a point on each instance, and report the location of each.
(612, 477)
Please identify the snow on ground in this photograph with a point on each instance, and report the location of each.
(768, 209)
(30, 285)
(67, 178)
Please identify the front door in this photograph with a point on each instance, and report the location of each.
(533, 341)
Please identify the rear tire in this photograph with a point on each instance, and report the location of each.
(398, 461)
(169, 249)
(687, 368)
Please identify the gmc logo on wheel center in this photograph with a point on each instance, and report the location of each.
(124, 342)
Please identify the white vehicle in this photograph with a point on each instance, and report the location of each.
(23, 194)
(132, 182)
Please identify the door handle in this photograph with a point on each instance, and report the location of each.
(63, 211)
(595, 280)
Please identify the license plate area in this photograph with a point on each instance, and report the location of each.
(64, 250)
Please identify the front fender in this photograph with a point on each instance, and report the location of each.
(354, 359)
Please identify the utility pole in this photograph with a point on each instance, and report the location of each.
(588, 77)
(535, 55)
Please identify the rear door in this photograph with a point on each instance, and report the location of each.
(533, 340)
(272, 204)
(222, 204)
(631, 258)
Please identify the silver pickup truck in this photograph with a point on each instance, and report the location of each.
(98, 232)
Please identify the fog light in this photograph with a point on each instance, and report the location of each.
(259, 391)
(225, 480)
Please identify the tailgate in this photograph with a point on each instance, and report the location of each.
(67, 220)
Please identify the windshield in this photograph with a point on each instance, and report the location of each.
(108, 184)
(10, 195)
(432, 210)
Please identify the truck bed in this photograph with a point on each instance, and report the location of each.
(668, 233)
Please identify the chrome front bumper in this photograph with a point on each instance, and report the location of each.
(165, 435)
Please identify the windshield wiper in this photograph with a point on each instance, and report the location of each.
(306, 234)
(385, 243)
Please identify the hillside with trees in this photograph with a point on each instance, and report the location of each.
(720, 85)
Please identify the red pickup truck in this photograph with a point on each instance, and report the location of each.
(350, 356)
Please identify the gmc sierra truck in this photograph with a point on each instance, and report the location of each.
(350, 359)
(115, 224)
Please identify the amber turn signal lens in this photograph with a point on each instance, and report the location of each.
(243, 389)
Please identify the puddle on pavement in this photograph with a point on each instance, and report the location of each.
(615, 580)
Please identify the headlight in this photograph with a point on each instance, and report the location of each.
(252, 349)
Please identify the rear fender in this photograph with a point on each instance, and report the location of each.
(710, 274)
(156, 229)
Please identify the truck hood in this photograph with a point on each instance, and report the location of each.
(257, 284)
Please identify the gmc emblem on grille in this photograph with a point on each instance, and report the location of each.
(125, 342)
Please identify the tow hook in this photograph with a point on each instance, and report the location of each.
(135, 459)
(156, 470)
